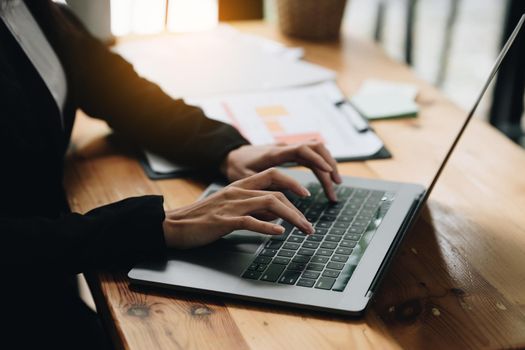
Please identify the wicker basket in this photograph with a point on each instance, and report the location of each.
(311, 19)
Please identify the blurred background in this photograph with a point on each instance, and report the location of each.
(449, 43)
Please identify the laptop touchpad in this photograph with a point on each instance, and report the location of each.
(242, 241)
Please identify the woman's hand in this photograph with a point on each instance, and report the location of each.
(236, 207)
(248, 160)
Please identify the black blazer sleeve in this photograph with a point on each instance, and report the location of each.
(110, 89)
(118, 234)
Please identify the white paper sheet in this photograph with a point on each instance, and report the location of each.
(379, 99)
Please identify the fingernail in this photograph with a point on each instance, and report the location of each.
(306, 192)
(338, 179)
(311, 229)
(278, 229)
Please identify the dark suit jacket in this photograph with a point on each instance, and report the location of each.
(43, 244)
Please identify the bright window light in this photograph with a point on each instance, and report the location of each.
(137, 16)
(121, 11)
(192, 15)
(148, 16)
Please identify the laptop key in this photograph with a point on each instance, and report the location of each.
(332, 211)
(325, 283)
(328, 218)
(311, 218)
(273, 244)
(323, 224)
(345, 218)
(305, 282)
(314, 212)
(325, 252)
(296, 239)
(337, 231)
(311, 274)
(341, 224)
(289, 277)
(281, 261)
(318, 206)
(272, 273)
(335, 265)
(253, 275)
(349, 212)
(304, 251)
(365, 217)
(261, 267)
(253, 266)
(352, 236)
(301, 259)
(330, 273)
(360, 223)
(332, 238)
(320, 259)
(311, 245)
(296, 266)
(320, 231)
(315, 238)
(262, 260)
(329, 245)
(291, 246)
(340, 258)
(315, 267)
(337, 205)
(268, 252)
(297, 232)
(286, 253)
(302, 207)
(348, 244)
(343, 251)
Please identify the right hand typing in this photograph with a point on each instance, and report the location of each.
(244, 204)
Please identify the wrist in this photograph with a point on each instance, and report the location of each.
(224, 165)
(229, 163)
(173, 230)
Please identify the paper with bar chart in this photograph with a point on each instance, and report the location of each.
(291, 116)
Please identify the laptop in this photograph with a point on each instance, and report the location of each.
(336, 270)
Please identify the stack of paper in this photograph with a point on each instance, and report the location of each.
(220, 61)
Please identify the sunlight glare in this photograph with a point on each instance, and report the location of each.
(137, 16)
(192, 15)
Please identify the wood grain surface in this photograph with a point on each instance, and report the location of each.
(458, 281)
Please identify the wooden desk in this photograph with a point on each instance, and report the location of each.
(457, 282)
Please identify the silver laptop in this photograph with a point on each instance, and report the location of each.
(337, 269)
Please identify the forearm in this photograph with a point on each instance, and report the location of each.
(121, 233)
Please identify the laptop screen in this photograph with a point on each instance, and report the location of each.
(493, 72)
(427, 142)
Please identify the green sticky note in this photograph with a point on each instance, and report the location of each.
(385, 105)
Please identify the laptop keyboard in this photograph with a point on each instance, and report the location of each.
(326, 259)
